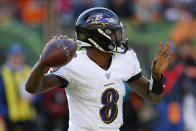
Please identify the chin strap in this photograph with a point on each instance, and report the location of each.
(85, 44)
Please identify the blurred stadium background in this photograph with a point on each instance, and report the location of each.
(31, 23)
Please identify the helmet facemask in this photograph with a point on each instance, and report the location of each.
(107, 39)
(119, 41)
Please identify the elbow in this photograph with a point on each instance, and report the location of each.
(29, 89)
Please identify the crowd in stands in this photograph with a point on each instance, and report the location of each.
(20, 111)
(33, 12)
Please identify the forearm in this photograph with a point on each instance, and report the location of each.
(155, 87)
(141, 87)
(35, 80)
(148, 96)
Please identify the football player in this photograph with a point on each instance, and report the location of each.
(94, 77)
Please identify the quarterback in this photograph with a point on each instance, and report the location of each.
(94, 78)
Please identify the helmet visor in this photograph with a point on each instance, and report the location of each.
(119, 36)
(119, 39)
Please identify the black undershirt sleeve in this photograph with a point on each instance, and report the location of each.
(64, 81)
(133, 78)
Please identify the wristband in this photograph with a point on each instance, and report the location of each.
(155, 86)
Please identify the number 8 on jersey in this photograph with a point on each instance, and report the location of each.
(109, 111)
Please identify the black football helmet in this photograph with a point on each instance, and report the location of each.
(101, 28)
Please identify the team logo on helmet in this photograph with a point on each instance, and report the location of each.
(100, 18)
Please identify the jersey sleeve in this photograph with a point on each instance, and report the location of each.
(134, 66)
(62, 73)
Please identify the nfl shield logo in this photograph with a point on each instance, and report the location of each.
(108, 75)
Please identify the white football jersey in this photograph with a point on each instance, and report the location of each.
(95, 95)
